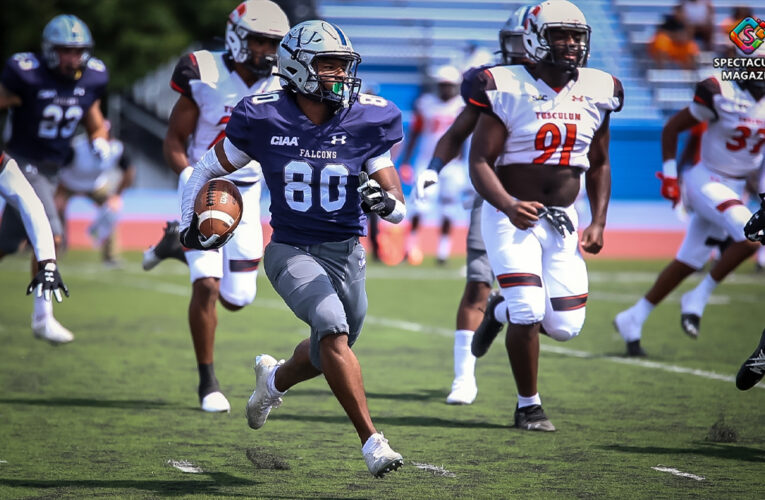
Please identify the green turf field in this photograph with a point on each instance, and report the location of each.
(109, 414)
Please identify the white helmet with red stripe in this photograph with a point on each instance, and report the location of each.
(557, 15)
(255, 18)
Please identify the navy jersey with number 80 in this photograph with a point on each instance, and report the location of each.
(312, 170)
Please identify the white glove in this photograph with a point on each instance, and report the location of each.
(102, 148)
(425, 179)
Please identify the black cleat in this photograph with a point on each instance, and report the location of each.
(168, 247)
(691, 324)
(532, 418)
(634, 350)
(753, 368)
(489, 328)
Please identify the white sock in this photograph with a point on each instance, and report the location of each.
(642, 309)
(501, 313)
(42, 308)
(464, 361)
(523, 402)
(271, 387)
(699, 296)
(444, 247)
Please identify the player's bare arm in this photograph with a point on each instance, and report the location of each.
(598, 184)
(8, 99)
(390, 182)
(488, 141)
(450, 144)
(679, 122)
(183, 121)
(94, 122)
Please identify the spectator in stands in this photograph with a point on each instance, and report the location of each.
(698, 16)
(672, 44)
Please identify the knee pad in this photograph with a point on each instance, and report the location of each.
(565, 325)
(525, 304)
(238, 295)
(736, 218)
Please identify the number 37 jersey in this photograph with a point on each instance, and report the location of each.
(545, 125)
(51, 106)
(312, 171)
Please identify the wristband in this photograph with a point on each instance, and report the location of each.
(436, 164)
(669, 168)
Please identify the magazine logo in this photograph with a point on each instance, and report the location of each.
(748, 35)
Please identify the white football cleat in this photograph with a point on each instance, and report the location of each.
(379, 456)
(463, 392)
(262, 401)
(216, 402)
(51, 330)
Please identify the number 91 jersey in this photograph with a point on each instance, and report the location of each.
(546, 125)
(51, 106)
(312, 170)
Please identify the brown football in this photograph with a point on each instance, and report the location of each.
(218, 207)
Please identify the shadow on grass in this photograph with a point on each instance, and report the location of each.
(211, 485)
(128, 404)
(724, 451)
(423, 395)
(411, 421)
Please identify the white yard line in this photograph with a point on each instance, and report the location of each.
(410, 326)
(184, 466)
(676, 472)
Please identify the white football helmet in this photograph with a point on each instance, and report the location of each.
(65, 30)
(254, 17)
(315, 39)
(550, 15)
(511, 35)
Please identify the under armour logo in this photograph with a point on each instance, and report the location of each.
(577, 98)
(338, 139)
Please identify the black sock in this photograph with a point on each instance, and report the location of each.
(207, 381)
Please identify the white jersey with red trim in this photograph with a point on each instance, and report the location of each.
(734, 142)
(216, 92)
(434, 116)
(545, 126)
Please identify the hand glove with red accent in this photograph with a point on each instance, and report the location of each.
(191, 237)
(670, 189)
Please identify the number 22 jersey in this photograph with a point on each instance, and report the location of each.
(312, 170)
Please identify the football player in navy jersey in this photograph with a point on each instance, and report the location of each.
(325, 154)
(49, 95)
(479, 276)
(210, 84)
(544, 127)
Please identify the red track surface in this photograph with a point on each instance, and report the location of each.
(619, 244)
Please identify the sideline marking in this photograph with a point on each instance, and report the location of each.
(411, 326)
(435, 469)
(676, 472)
(184, 466)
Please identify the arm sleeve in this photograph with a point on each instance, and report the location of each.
(17, 191)
(186, 70)
(703, 106)
(483, 81)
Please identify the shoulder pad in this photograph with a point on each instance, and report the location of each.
(25, 61)
(96, 65)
